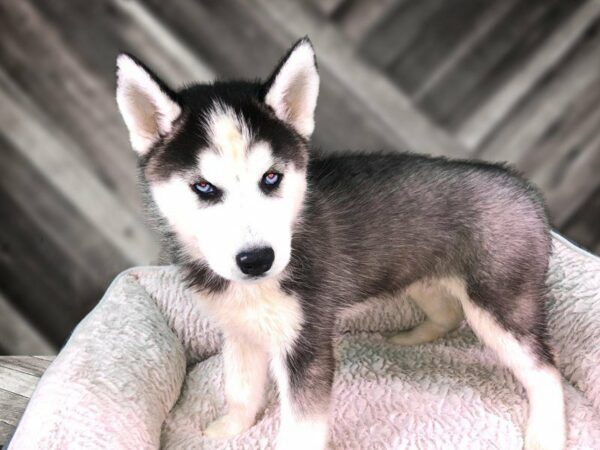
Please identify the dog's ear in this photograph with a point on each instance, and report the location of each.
(293, 88)
(147, 105)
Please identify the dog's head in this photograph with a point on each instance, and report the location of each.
(225, 162)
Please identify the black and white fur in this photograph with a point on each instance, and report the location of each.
(466, 239)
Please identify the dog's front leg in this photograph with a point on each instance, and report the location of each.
(245, 367)
(304, 378)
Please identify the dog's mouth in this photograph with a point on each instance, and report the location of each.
(255, 278)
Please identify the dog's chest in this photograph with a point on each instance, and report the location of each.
(262, 313)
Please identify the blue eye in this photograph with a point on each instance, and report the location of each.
(204, 188)
(271, 179)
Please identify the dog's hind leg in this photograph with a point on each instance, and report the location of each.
(515, 330)
(443, 311)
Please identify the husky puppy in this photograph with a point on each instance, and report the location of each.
(277, 245)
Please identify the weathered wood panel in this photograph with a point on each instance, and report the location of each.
(17, 335)
(5, 431)
(396, 31)
(358, 17)
(31, 365)
(438, 36)
(124, 26)
(75, 99)
(48, 253)
(239, 22)
(12, 406)
(494, 59)
(18, 378)
(499, 79)
(17, 382)
(482, 122)
(377, 98)
(553, 134)
(584, 226)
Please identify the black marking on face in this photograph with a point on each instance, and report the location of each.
(182, 149)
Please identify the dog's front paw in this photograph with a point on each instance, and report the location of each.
(545, 440)
(227, 426)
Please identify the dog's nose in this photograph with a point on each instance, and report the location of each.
(255, 262)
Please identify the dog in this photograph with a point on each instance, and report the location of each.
(276, 243)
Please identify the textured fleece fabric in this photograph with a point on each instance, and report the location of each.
(143, 371)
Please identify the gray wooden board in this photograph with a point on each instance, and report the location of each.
(53, 154)
(328, 7)
(18, 377)
(17, 334)
(584, 226)
(11, 407)
(45, 357)
(17, 382)
(58, 221)
(26, 364)
(481, 122)
(39, 62)
(513, 40)
(396, 31)
(234, 23)
(125, 26)
(437, 37)
(48, 251)
(536, 129)
(359, 17)
(555, 142)
(50, 297)
(512, 80)
(6, 431)
(365, 87)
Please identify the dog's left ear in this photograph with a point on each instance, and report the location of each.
(293, 88)
(147, 105)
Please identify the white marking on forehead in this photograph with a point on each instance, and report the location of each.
(226, 169)
(228, 133)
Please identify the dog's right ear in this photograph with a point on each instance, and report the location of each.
(147, 105)
(293, 88)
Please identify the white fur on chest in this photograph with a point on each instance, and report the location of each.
(261, 313)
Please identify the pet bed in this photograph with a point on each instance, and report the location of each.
(143, 371)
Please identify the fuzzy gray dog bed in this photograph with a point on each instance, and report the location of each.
(143, 371)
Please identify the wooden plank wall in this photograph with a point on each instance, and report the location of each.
(19, 376)
(503, 80)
